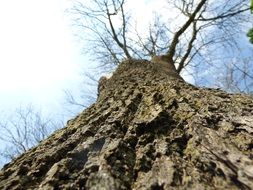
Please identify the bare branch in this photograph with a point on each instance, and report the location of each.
(114, 35)
(171, 52)
(24, 129)
(182, 62)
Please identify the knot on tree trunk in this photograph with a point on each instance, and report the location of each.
(167, 65)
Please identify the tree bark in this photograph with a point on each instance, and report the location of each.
(148, 130)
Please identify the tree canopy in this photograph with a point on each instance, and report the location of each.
(202, 38)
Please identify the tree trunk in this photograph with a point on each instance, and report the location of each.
(148, 130)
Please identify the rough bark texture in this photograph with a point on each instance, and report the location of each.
(148, 130)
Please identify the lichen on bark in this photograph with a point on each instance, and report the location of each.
(147, 130)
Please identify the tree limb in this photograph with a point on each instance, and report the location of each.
(171, 52)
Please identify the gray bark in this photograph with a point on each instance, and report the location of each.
(148, 130)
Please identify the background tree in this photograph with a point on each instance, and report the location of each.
(25, 128)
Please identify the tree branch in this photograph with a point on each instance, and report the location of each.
(114, 35)
(189, 48)
(171, 52)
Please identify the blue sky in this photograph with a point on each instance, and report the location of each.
(39, 56)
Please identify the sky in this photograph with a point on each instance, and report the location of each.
(39, 56)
